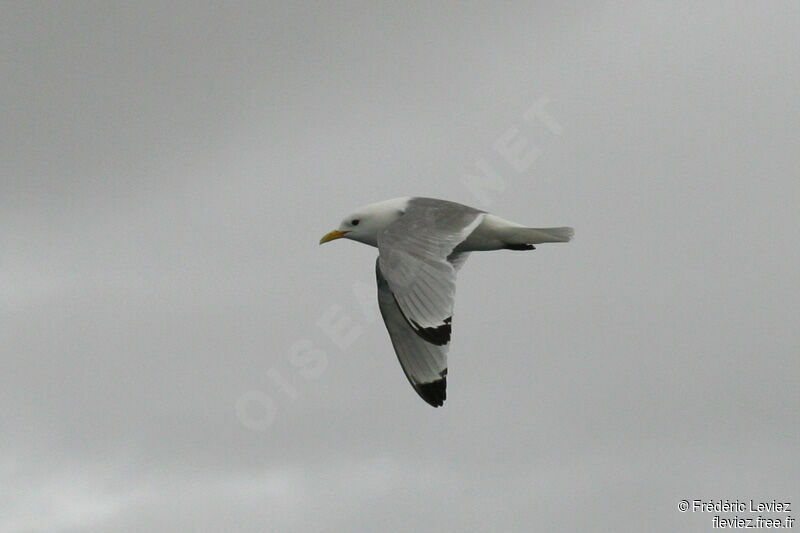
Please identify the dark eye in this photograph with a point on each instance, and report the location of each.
(355, 222)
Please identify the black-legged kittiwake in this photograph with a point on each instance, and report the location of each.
(422, 242)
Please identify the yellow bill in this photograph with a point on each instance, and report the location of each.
(332, 236)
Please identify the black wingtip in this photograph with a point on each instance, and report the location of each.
(438, 335)
(435, 392)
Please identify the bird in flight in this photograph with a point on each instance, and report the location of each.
(422, 242)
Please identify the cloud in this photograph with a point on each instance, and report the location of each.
(168, 173)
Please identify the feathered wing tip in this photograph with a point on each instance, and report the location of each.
(435, 393)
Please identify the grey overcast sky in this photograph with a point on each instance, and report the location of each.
(178, 353)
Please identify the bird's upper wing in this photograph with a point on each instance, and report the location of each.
(413, 254)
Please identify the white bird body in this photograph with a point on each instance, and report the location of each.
(422, 243)
(487, 236)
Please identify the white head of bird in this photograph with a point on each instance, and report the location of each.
(368, 221)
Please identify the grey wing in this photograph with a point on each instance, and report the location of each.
(414, 252)
(424, 363)
(457, 259)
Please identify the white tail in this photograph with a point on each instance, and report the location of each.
(520, 236)
(551, 234)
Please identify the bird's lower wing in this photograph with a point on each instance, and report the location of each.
(424, 363)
